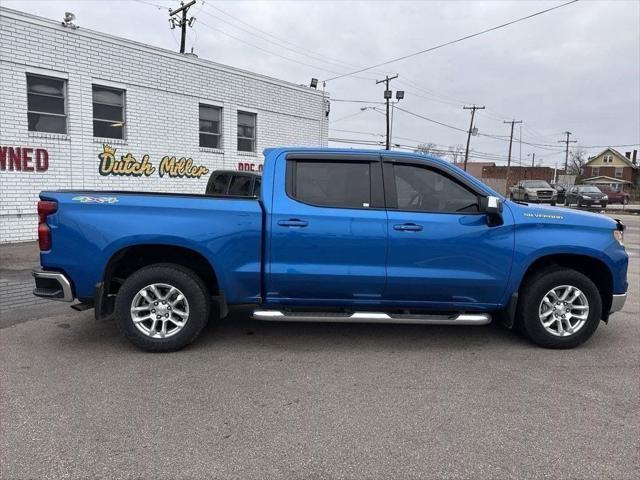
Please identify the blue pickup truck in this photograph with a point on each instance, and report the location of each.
(334, 236)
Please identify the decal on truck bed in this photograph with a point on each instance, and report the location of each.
(90, 199)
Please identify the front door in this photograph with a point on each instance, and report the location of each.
(328, 232)
(442, 254)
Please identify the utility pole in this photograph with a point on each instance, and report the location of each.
(566, 151)
(512, 122)
(473, 113)
(183, 22)
(387, 96)
(533, 160)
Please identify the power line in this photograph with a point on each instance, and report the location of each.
(432, 120)
(466, 37)
(316, 67)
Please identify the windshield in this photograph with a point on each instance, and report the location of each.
(536, 184)
(589, 189)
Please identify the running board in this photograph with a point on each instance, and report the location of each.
(374, 317)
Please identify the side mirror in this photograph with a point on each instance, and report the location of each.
(492, 206)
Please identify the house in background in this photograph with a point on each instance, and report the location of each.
(613, 169)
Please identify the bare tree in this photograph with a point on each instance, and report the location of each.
(455, 153)
(577, 160)
(425, 148)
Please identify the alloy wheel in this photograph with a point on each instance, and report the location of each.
(159, 310)
(564, 310)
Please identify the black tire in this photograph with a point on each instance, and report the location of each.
(526, 198)
(553, 203)
(187, 282)
(533, 291)
(604, 204)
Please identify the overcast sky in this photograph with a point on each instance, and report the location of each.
(576, 68)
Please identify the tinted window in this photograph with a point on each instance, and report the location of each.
(256, 187)
(240, 185)
(426, 190)
(333, 184)
(218, 184)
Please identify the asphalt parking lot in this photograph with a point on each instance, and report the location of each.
(276, 400)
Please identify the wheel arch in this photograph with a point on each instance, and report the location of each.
(594, 268)
(131, 258)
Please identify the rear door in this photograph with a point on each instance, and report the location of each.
(328, 231)
(442, 254)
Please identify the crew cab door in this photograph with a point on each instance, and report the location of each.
(442, 253)
(327, 230)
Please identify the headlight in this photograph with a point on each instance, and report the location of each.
(584, 197)
(606, 197)
(619, 236)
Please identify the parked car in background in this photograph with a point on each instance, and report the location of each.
(561, 191)
(615, 196)
(586, 195)
(231, 183)
(533, 191)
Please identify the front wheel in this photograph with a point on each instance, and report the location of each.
(162, 307)
(559, 308)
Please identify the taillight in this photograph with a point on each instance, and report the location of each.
(45, 208)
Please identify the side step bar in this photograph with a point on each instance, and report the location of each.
(374, 317)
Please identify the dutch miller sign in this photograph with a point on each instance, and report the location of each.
(129, 166)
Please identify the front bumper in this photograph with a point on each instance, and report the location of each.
(617, 302)
(52, 285)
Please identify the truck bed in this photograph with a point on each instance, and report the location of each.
(89, 227)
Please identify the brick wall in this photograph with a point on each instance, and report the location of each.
(628, 173)
(163, 90)
(519, 173)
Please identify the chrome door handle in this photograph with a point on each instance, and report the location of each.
(293, 222)
(408, 227)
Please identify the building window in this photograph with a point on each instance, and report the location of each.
(246, 132)
(618, 172)
(595, 171)
(108, 112)
(210, 118)
(608, 159)
(46, 104)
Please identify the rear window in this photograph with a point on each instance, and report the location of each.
(240, 185)
(218, 184)
(332, 184)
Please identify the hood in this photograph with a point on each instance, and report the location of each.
(542, 214)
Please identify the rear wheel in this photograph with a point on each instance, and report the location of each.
(559, 308)
(162, 307)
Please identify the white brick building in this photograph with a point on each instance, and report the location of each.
(66, 93)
